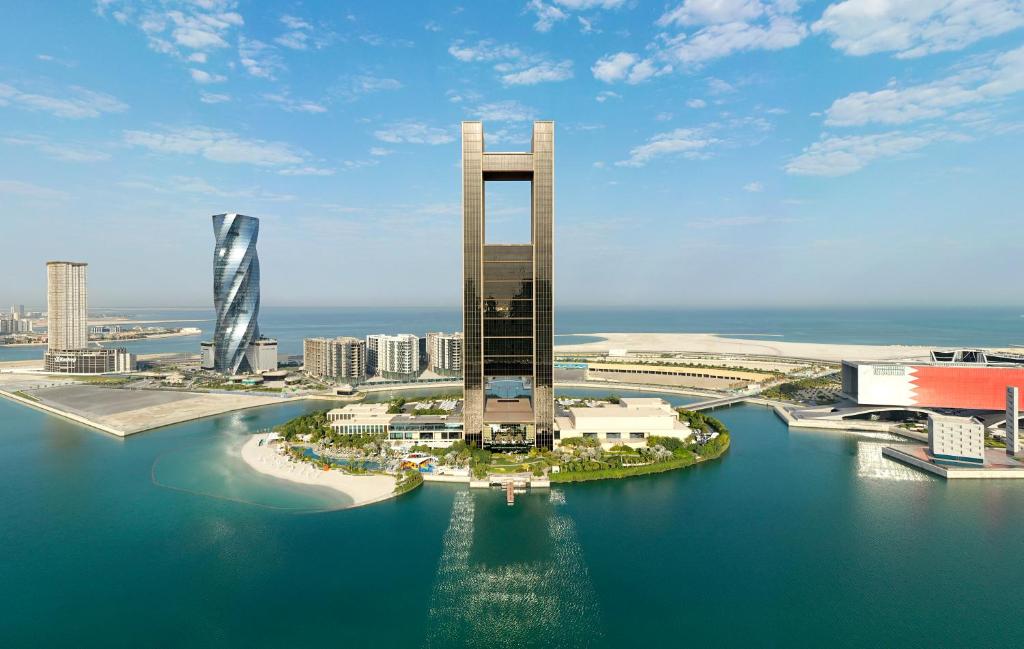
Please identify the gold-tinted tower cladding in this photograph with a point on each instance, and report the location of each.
(507, 296)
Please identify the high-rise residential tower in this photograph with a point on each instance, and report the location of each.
(335, 359)
(393, 357)
(444, 353)
(67, 326)
(507, 355)
(236, 291)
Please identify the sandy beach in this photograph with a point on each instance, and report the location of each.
(716, 344)
(362, 489)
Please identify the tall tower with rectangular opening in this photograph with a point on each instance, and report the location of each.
(507, 299)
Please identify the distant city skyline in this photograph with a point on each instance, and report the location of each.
(711, 154)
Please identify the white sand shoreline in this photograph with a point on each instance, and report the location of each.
(362, 489)
(707, 343)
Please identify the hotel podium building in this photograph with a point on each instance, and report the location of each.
(507, 356)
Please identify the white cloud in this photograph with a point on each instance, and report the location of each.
(432, 26)
(605, 95)
(213, 98)
(380, 151)
(914, 28)
(293, 40)
(755, 187)
(172, 26)
(587, 26)
(367, 83)
(285, 101)
(77, 103)
(293, 22)
(720, 87)
(195, 185)
(613, 67)
(704, 12)
(628, 67)
(547, 15)
(67, 63)
(217, 145)
(299, 35)
(582, 5)
(1002, 77)
(720, 40)
(504, 111)
(187, 31)
(696, 103)
(838, 156)
(685, 142)
(413, 132)
(663, 117)
(700, 142)
(541, 73)
(29, 190)
(306, 171)
(485, 50)
(508, 136)
(721, 28)
(202, 76)
(514, 66)
(258, 58)
(59, 151)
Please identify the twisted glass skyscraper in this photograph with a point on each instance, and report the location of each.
(236, 290)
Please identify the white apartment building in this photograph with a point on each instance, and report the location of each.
(631, 422)
(956, 439)
(444, 353)
(393, 356)
(334, 359)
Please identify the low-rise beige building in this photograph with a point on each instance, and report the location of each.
(631, 422)
(360, 419)
(677, 375)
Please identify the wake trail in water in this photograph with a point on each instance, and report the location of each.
(549, 603)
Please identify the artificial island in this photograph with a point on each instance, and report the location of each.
(507, 426)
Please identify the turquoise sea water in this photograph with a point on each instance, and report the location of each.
(796, 539)
(966, 327)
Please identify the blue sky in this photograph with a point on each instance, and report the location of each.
(709, 152)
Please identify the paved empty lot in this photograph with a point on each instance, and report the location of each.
(124, 412)
(96, 401)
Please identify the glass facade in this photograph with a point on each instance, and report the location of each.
(507, 293)
(236, 290)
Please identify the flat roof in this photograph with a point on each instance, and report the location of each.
(501, 411)
(931, 363)
(680, 369)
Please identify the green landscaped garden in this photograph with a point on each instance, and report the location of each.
(574, 460)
